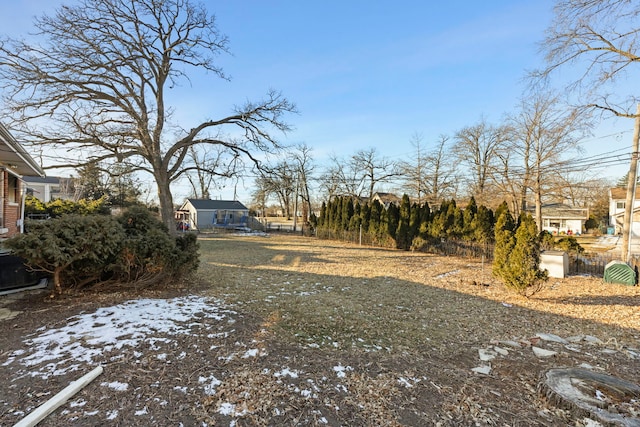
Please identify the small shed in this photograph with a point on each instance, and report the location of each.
(203, 214)
(555, 262)
(619, 272)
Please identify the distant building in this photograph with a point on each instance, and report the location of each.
(202, 214)
(15, 163)
(617, 203)
(385, 199)
(558, 218)
(49, 188)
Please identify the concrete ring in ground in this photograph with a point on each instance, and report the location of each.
(609, 399)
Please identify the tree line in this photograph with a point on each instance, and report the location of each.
(408, 225)
(514, 245)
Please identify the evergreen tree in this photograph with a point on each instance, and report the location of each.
(502, 208)
(455, 216)
(365, 214)
(347, 213)
(482, 225)
(393, 218)
(505, 241)
(425, 220)
(403, 231)
(522, 272)
(415, 221)
(517, 255)
(468, 217)
(323, 215)
(356, 218)
(92, 182)
(375, 218)
(336, 213)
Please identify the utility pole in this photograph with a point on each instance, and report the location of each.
(627, 226)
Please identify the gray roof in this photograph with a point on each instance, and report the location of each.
(229, 205)
(41, 180)
(15, 156)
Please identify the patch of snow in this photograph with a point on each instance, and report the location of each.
(306, 393)
(448, 273)
(405, 382)
(140, 412)
(78, 403)
(250, 353)
(210, 384)
(341, 370)
(286, 372)
(133, 324)
(116, 385)
(112, 415)
(182, 389)
(230, 410)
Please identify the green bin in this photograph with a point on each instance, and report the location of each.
(619, 272)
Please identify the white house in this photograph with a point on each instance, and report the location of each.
(617, 203)
(558, 218)
(202, 214)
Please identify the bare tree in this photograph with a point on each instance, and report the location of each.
(414, 171)
(303, 160)
(542, 132)
(600, 39)
(280, 180)
(342, 178)
(509, 179)
(374, 169)
(475, 147)
(207, 163)
(101, 80)
(440, 176)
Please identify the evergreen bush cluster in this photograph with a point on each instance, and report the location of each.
(409, 225)
(80, 250)
(516, 258)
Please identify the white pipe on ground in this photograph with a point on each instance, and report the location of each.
(59, 399)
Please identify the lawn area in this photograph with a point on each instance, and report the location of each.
(286, 330)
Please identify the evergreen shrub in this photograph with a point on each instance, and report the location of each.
(517, 255)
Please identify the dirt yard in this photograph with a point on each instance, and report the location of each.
(283, 330)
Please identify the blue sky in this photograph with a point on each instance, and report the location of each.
(369, 74)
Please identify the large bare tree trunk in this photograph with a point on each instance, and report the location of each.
(631, 190)
(165, 199)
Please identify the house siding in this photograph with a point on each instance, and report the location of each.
(227, 214)
(617, 200)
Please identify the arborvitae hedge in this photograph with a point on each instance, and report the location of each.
(406, 223)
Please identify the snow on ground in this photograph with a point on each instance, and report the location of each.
(143, 328)
(132, 326)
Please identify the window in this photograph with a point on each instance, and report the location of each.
(13, 194)
(620, 205)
